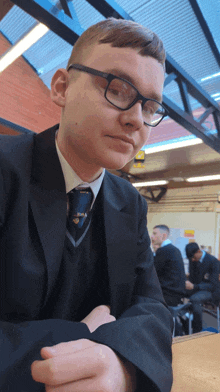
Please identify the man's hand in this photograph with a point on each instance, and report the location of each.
(83, 366)
(98, 316)
(189, 285)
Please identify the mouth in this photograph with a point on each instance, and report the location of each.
(124, 139)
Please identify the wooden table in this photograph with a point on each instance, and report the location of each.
(196, 363)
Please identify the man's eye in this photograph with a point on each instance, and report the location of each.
(114, 91)
(151, 107)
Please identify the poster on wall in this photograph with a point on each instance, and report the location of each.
(180, 238)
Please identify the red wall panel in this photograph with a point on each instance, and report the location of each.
(24, 98)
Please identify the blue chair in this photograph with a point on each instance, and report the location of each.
(214, 311)
(180, 311)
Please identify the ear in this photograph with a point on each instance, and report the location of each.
(59, 84)
(164, 236)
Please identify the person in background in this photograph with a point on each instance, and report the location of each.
(73, 236)
(202, 284)
(169, 265)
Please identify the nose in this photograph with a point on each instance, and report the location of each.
(132, 117)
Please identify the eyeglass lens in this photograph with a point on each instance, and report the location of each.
(122, 94)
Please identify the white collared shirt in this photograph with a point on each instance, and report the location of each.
(165, 242)
(72, 180)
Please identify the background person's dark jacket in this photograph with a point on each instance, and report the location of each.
(205, 275)
(169, 265)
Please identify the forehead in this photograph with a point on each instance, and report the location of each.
(146, 73)
(157, 231)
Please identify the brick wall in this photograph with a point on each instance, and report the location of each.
(24, 99)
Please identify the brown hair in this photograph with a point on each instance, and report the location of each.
(119, 33)
(163, 228)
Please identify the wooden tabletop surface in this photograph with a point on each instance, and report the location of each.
(196, 363)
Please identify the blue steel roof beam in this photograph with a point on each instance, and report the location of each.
(205, 115)
(110, 8)
(170, 78)
(65, 7)
(217, 122)
(193, 87)
(69, 9)
(192, 125)
(185, 96)
(206, 30)
(61, 24)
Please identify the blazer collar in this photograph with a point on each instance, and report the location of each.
(121, 245)
(45, 161)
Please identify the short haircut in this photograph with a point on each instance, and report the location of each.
(164, 228)
(119, 33)
(191, 249)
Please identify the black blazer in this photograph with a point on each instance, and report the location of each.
(205, 275)
(169, 265)
(32, 232)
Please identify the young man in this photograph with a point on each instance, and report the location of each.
(55, 335)
(202, 284)
(169, 265)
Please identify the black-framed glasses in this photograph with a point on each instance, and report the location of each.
(123, 95)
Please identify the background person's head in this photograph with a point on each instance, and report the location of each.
(159, 235)
(193, 252)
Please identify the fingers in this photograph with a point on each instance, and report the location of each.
(66, 348)
(99, 316)
(76, 366)
(85, 385)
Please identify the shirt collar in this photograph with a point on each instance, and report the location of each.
(203, 255)
(72, 180)
(166, 242)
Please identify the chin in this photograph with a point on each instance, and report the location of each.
(117, 163)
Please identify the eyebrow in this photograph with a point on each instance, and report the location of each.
(124, 75)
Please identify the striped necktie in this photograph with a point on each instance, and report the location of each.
(79, 205)
(78, 223)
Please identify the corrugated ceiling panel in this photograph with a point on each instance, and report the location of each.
(15, 23)
(87, 15)
(211, 12)
(177, 25)
(49, 49)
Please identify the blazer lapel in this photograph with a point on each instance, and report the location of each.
(48, 202)
(121, 248)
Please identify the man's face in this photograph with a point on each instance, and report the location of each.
(93, 132)
(196, 256)
(157, 237)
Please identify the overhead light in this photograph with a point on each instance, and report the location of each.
(204, 178)
(149, 183)
(22, 45)
(173, 145)
(211, 76)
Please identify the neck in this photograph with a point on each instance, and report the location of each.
(87, 171)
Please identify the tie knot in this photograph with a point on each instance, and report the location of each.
(79, 205)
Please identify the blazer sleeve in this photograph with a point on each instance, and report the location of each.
(212, 283)
(143, 333)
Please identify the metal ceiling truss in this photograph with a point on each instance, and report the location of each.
(205, 28)
(64, 23)
(161, 191)
(153, 198)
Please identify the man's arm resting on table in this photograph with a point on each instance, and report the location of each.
(84, 365)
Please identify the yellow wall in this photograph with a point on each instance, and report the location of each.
(190, 208)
